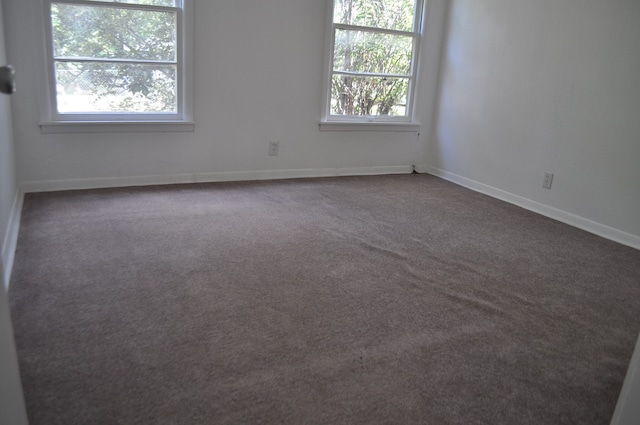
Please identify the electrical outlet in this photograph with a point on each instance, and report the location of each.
(274, 148)
(548, 180)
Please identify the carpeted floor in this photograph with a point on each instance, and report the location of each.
(360, 300)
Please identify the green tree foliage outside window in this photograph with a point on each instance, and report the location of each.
(372, 58)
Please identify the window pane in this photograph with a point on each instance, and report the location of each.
(170, 3)
(389, 14)
(369, 96)
(363, 51)
(106, 32)
(115, 88)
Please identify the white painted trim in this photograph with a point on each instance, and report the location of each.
(537, 207)
(11, 239)
(95, 183)
(370, 126)
(418, 33)
(421, 168)
(58, 127)
(628, 409)
(149, 180)
(180, 121)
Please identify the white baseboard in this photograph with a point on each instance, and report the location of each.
(548, 211)
(11, 239)
(97, 183)
(422, 169)
(537, 207)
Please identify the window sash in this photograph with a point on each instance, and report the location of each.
(128, 116)
(416, 37)
(414, 25)
(358, 42)
(179, 5)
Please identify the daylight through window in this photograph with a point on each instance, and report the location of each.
(373, 58)
(116, 57)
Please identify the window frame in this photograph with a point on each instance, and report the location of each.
(408, 122)
(54, 121)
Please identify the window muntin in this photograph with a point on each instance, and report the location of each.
(373, 59)
(115, 61)
(145, 2)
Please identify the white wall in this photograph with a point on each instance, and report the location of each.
(8, 180)
(546, 85)
(12, 409)
(258, 77)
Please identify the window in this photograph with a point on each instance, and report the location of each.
(373, 51)
(116, 60)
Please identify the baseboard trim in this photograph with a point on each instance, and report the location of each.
(537, 207)
(421, 168)
(150, 180)
(11, 239)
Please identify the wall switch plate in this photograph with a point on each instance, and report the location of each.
(548, 180)
(274, 148)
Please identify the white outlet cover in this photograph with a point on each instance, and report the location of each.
(274, 147)
(548, 180)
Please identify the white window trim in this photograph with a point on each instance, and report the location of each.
(53, 122)
(353, 125)
(407, 123)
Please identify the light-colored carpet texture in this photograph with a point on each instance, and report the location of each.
(359, 300)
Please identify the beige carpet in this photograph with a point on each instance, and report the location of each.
(364, 300)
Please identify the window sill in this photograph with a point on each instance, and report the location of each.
(400, 127)
(116, 126)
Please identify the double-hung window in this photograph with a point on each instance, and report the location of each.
(373, 50)
(116, 60)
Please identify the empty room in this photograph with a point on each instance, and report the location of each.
(320, 212)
